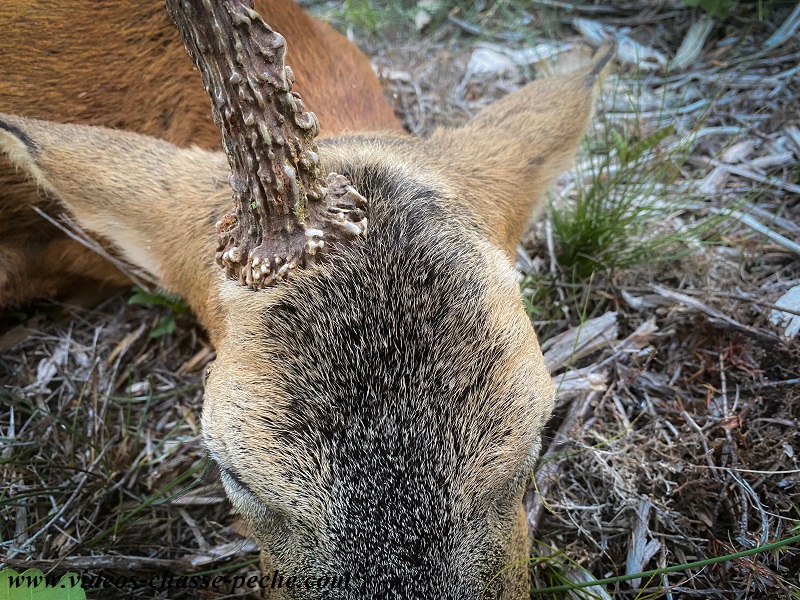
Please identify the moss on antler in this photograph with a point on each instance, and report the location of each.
(287, 212)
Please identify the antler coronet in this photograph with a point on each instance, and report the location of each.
(288, 213)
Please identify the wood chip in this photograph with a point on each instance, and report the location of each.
(580, 341)
(693, 42)
(642, 547)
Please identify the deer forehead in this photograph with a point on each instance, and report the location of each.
(407, 360)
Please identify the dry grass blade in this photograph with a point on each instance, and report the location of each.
(785, 31)
(73, 231)
(716, 316)
(692, 44)
(762, 229)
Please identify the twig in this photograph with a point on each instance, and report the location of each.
(548, 472)
(765, 179)
(760, 228)
(137, 276)
(131, 564)
(715, 316)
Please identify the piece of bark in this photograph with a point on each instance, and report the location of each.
(580, 341)
(287, 212)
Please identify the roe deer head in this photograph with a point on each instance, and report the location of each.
(379, 412)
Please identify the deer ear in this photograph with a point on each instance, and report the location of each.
(151, 201)
(508, 155)
(120, 185)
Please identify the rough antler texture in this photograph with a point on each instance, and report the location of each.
(287, 211)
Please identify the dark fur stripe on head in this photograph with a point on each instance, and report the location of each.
(388, 392)
(23, 137)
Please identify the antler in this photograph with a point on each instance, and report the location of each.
(287, 212)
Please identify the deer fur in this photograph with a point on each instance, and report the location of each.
(122, 64)
(380, 413)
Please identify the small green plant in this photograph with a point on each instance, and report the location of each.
(622, 200)
(32, 584)
(377, 18)
(571, 586)
(362, 13)
(165, 324)
(630, 153)
(719, 9)
(371, 17)
(604, 226)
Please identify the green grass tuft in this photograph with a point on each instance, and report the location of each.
(622, 198)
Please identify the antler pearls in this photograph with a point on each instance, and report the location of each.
(287, 212)
(343, 218)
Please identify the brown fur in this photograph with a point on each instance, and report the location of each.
(121, 64)
(379, 414)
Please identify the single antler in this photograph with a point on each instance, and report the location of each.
(287, 212)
